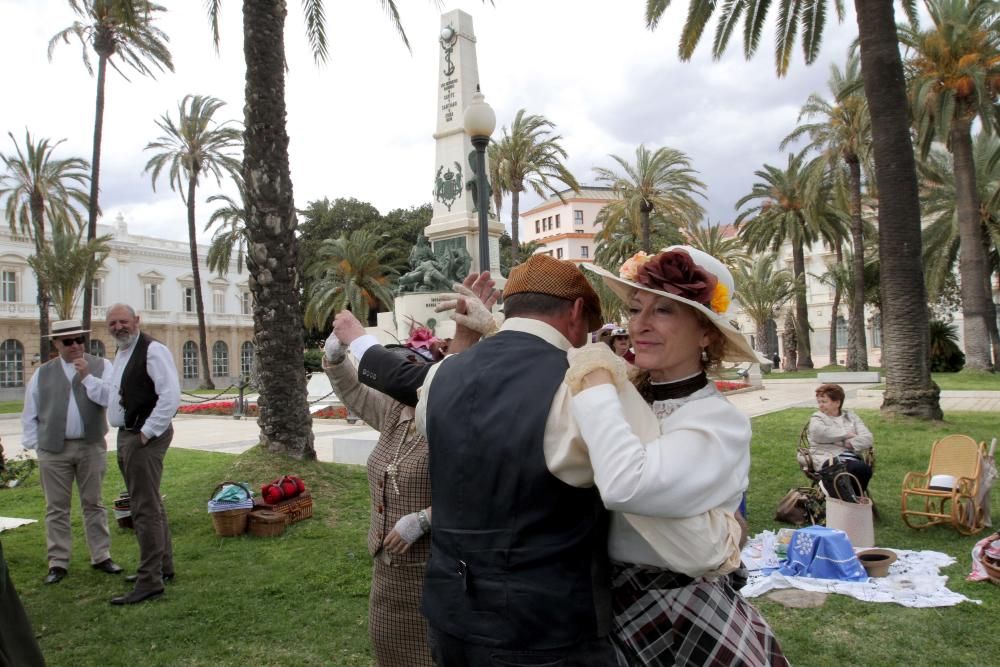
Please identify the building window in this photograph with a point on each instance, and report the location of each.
(11, 363)
(877, 330)
(188, 299)
(841, 331)
(559, 253)
(246, 303)
(190, 360)
(97, 348)
(8, 289)
(557, 221)
(246, 359)
(584, 251)
(218, 301)
(152, 301)
(578, 218)
(538, 228)
(220, 359)
(97, 292)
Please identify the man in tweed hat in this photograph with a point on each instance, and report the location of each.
(518, 551)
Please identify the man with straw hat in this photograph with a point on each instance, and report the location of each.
(68, 429)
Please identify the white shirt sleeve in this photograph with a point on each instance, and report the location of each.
(29, 415)
(362, 344)
(700, 461)
(101, 389)
(163, 373)
(422, 394)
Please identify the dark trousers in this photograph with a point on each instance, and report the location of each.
(18, 647)
(142, 468)
(449, 651)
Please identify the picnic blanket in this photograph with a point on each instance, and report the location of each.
(914, 580)
(7, 523)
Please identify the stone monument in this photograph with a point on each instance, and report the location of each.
(455, 221)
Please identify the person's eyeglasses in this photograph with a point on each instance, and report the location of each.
(79, 340)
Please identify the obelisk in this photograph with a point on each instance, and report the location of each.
(455, 221)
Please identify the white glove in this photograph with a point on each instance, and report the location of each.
(478, 318)
(584, 360)
(334, 349)
(409, 528)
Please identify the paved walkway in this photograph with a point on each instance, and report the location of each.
(336, 440)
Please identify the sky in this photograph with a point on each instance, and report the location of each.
(361, 125)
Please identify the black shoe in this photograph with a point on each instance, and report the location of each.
(108, 565)
(55, 575)
(135, 597)
(132, 578)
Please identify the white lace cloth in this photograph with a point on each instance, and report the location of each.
(914, 580)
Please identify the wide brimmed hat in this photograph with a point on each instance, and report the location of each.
(692, 277)
(67, 328)
(544, 274)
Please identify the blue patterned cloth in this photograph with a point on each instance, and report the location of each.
(822, 553)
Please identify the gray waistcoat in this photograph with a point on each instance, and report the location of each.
(54, 394)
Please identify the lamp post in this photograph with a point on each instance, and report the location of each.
(480, 121)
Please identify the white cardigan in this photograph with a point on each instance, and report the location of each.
(828, 435)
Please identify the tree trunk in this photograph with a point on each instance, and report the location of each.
(38, 231)
(857, 345)
(790, 361)
(273, 257)
(644, 217)
(991, 309)
(199, 302)
(906, 340)
(972, 262)
(801, 309)
(515, 243)
(760, 340)
(95, 178)
(835, 310)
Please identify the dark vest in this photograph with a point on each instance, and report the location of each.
(137, 391)
(52, 384)
(513, 548)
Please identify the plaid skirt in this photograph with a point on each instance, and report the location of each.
(396, 627)
(665, 618)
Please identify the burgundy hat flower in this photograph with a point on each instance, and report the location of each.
(676, 273)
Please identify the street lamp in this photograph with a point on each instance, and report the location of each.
(480, 121)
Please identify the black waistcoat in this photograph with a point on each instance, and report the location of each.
(513, 548)
(137, 391)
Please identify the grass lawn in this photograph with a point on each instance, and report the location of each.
(302, 598)
(850, 632)
(11, 407)
(968, 381)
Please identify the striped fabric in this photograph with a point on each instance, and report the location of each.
(662, 618)
(224, 506)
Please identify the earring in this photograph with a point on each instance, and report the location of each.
(704, 355)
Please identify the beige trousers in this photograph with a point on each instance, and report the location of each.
(85, 464)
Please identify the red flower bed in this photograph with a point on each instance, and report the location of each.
(725, 385)
(225, 408)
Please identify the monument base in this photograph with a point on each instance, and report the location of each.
(412, 310)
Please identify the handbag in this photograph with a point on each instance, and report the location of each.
(853, 514)
(800, 506)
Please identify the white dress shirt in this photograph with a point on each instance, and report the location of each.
(161, 370)
(29, 415)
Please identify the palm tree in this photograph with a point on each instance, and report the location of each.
(954, 77)
(660, 181)
(120, 31)
(620, 236)
(195, 146)
(792, 208)
(349, 271)
(763, 292)
(841, 134)
(65, 264)
(941, 235)
(232, 230)
(713, 240)
(529, 154)
(909, 389)
(42, 194)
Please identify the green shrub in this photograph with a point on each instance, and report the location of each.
(313, 360)
(946, 356)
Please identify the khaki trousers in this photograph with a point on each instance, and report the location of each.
(142, 468)
(85, 464)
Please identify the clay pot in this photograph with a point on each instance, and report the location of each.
(877, 561)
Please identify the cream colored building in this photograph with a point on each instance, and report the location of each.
(153, 276)
(565, 228)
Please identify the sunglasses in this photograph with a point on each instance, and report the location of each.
(79, 340)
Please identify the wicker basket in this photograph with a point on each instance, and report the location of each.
(266, 523)
(298, 508)
(992, 569)
(230, 523)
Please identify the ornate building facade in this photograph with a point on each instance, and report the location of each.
(153, 276)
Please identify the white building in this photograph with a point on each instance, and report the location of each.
(565, 228)
(153, 276)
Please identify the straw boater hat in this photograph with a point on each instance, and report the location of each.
(692, 277)
(544, 274)
(67, 328)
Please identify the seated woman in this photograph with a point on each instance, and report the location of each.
(837, 435)
(686, 463)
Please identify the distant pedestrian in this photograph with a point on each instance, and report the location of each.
(776, 360)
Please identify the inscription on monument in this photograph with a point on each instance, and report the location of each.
(448, 101)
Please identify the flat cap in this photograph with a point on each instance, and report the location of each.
(543, 274)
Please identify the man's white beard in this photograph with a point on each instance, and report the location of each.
(123, 344)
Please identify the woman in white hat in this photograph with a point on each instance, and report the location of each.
(675, 477)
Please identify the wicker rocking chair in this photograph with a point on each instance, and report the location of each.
(952, 500)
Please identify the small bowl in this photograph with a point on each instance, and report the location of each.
(877, 561)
